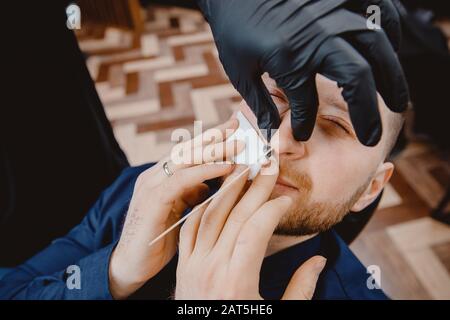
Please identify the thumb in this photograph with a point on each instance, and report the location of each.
(303, 282)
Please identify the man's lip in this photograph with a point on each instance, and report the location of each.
(285, 183)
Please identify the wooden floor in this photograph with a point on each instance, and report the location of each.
(175, 78)
(412, 250)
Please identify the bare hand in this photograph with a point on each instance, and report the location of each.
(159, 200)
(222, 246)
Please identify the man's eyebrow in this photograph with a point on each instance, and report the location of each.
(333, 99)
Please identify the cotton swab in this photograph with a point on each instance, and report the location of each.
(221, 190)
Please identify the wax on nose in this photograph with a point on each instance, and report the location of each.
(255, 148)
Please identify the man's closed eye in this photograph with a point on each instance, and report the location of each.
(334, 123)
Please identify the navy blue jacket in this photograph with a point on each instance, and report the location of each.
(90, 243)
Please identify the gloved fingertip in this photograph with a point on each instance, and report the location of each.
(269, 125)
(302, 127)
(370, 138)
(301, 134)
(403, 103)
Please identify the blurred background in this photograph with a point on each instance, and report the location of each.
(155, 68)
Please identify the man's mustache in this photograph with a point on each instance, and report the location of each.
(300, 180)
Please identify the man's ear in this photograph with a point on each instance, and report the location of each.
(379, 180)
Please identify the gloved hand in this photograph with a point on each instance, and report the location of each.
(293, 40)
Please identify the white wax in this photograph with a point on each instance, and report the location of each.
(254, 153)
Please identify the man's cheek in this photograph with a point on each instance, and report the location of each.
(327, 184)
(334, 184)
(354, 173)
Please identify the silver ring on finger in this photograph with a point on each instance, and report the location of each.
(166, 169)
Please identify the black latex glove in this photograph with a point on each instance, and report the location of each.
(293, 40)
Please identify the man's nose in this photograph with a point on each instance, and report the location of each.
(284, 143)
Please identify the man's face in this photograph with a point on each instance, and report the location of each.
(327, 174)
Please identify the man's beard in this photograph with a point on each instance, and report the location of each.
(305, 216)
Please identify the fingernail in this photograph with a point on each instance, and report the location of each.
(319, 265)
